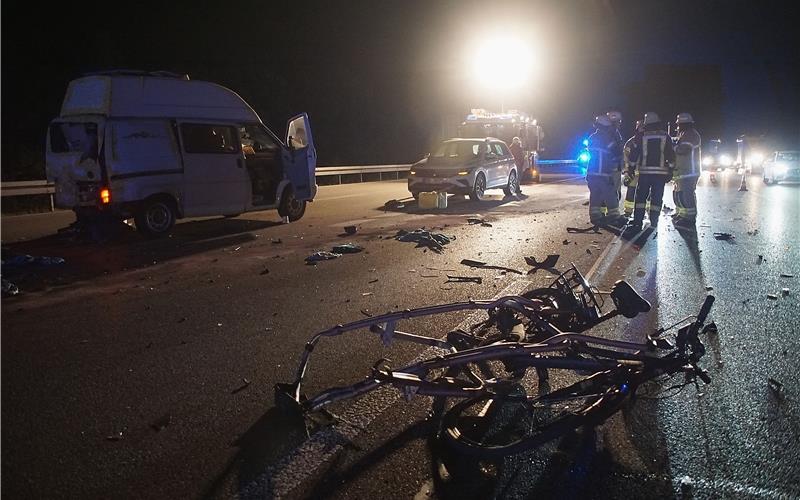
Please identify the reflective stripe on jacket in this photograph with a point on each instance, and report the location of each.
(604, 155)
(687, 154)
(653, 153)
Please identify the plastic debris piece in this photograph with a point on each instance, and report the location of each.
(318, 256)
(640, 273)
(346, 248)
(366, 313)
(784, 291)
(350, 229)
(724, 236)
(245, 384)
(373, 281)
(114, 437)
(548, 263)
(775, 386)
(772, 296)
(589, 251)
(276, 241)
(365, 294)
(786, 275)
(484, 265)
(464, 279)
(760, 260)
(265, 271)
(9, 288)
(565, 242)
(590, 229)
(686, 483)
(709, 288)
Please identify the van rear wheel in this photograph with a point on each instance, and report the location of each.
(156, 217)
(291, 207)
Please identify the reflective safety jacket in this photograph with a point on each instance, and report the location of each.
(605, 152)
(687, 154)
(652, 153)
(626, 153)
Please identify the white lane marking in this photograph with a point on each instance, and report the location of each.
(284, 476)
(341, 197)
(726, 489)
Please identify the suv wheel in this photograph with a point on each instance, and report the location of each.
(512, 185)
(479, 188)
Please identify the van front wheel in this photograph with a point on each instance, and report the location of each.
(156, 217)
(291, 206)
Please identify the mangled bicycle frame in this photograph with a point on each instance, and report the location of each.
(519, 321)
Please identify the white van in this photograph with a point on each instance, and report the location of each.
(158, 147)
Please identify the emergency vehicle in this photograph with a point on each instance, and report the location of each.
(481, 123)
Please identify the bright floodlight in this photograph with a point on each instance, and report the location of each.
(502, 62)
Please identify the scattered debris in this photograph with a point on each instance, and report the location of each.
(114, 437)
(9, 288)
(585, 203)
(484, 265)
(346, 248)
(29, 260)
(423, 238)
(350, 229)
(666, 210)
(318, 256)
(366, 294)
(373, 281)
(428, 275)
(589, 251)
(548, 263)
(775, 386)
(590, 229)
(686, 484)
(265, 271)
(161, 423)
(640, 273)
(366, 313)
(786, 275)
(393, 204)
(464, 279)
(276, 241)
(724, 236)
(784, 291)
(709, 288)
(753, 232)
(772, 296)
(482, 222)
(565, 242)
(760, 260)
(245, 384)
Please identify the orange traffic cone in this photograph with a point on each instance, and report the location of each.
(743, 185)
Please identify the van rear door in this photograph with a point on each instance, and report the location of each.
(72, 161)
(300, 160)
(215, 180)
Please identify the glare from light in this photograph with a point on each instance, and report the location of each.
(781, 168)
(756, 157)
(725, 161)
(708, 160)
(584, 157)
(502, 62)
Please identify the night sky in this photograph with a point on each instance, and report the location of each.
(383, 80)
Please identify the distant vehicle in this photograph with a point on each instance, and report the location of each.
(750, 153)
(506, 126)
(466, 166)
(715, 157)
(782, 166)
(157, 146)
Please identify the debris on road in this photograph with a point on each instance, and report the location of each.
(114, 437)
(565, 242)
(548, 263)
(350, 230)
(373, 281)
(772, 296)
(265, 271)
(16, 261)
(640, 273)
(786, 275)
(753, 232)
(393, 204)
(784, 291)
(775, 386)
(318, 256)
(760, 260)
(464, 279)
(590, 229)
(366, 294)
(484, 265)
(589, 251)
(424, 238)
(724, 236)
(161, 423)
(245, 384)
(585, 203)
(346, 248)
(366, 313)
(709, 288)
(276, 241)
(9, 288)
(475, 220)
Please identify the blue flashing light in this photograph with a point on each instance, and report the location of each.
(584, 157)
(586, 143)
(583, 171)
(623, 388)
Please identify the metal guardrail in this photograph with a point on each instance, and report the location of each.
(347, 173)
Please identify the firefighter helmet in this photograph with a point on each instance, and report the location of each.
(602, 121)
(615, 117)
(650, 117)
(684, 118)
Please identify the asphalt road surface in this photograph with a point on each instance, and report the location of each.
(145, 369)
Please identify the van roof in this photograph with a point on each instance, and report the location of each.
(150, 96)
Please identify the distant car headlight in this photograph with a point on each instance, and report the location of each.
(708, 160)
(756, 157)
(725, 160)
(781, 168)
(412, 172)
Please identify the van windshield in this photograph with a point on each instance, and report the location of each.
(66, 137)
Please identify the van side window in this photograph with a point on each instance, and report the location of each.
(199, 138)
(256, 140)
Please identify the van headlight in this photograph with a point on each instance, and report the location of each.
(708, 160)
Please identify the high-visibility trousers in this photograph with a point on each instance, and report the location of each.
(630, 196)
(651, 185)
(683, 194)
(603, 200)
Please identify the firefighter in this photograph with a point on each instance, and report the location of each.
(687, 171)
(604, 153)
(653, 155)
(616, 121)
(630, 170)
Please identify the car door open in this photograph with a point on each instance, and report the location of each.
(301, 157)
